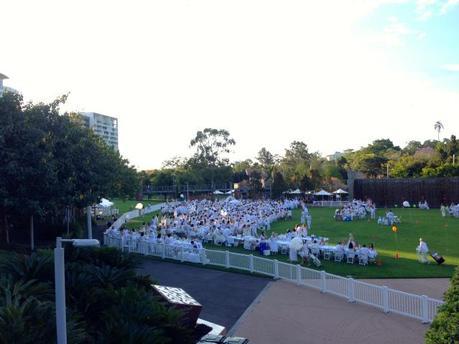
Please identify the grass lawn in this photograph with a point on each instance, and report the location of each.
(441, 235)
(137, 222)
(127, 205)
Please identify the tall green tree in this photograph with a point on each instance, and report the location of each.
(266, 159)
(278, 185)
(49, 163)
(211, 145)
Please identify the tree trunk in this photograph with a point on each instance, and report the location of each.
(32, 239)
(7, 228)
(67, 216)
(89, 222)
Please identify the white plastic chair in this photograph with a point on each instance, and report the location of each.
(327, 254)
(339, 257)
(350, 258)
(315, 251)
(247, 245)
(229, 241)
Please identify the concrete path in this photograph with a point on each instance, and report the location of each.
(432, 287)
(224, 295)
(286, 313)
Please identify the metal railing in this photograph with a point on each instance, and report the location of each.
(420, 307)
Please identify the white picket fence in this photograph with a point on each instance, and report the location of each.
(388, 300)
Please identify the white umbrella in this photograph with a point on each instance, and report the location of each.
(229, 192)
(322, 193)
(340, 192)
(218, 192)
(296, 192)
(296, 243)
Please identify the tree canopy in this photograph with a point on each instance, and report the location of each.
(49, 162)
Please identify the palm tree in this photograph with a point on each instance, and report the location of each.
(438, 126)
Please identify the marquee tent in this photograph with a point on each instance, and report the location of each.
(322, 192)
(340, 192)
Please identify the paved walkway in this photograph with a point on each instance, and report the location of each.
(286, 313)
(432, 287)
(224, 295)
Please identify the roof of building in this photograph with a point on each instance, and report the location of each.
(3, 76)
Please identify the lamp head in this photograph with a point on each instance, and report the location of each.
(86, 243)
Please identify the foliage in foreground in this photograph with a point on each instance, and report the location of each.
(107, 302)
(445, 327)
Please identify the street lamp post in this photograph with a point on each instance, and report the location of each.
(59, 280)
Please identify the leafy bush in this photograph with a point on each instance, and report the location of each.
(34, 267)
(445, 327)
(103, 256)
(107, 302)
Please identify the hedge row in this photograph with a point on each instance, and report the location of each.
(445, 327)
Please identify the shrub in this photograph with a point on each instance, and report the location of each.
(107, 302)
(445, 327)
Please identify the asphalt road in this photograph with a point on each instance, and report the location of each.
(223, 295)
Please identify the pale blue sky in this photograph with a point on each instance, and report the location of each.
(336, 74)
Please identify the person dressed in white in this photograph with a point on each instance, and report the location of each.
(373, 212)
(423, 205)
(309, 221)
(372, 253)
(443, 210)
(339, 249)
(364, 253)
(390, 217)
(422, 251)
(292, 254)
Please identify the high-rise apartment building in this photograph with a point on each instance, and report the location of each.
(3, 88)
(104, 126)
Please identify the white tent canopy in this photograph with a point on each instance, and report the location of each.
(218, 192)
(322, 193)
(295, 192)
(340, 192)
(105, 203)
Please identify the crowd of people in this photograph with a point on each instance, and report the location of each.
(221, 222)
(356, 210)
(423, 205)
(187, 226)
(231, 222)
(451, 210)
(389, 219)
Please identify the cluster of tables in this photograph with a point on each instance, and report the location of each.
(282, 244)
